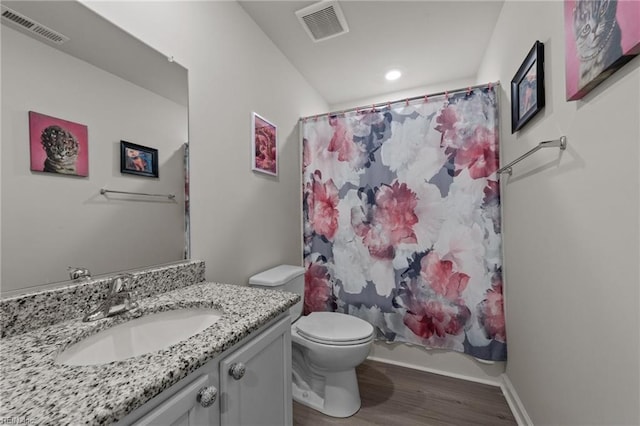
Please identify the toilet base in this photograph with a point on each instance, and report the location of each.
(341, 394)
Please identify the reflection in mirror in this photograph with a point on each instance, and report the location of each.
(105, 81)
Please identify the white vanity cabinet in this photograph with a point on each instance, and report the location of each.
(255, 380)
(251, 382)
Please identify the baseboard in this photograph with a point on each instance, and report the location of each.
(496, 383)
(515, 404)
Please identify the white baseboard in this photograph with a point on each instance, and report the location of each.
(496, 382)
(515, 404)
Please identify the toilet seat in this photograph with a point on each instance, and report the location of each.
(332, 328)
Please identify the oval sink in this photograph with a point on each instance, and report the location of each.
(139, 336)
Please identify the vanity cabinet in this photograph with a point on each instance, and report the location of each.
(255, 380)
(251, 383)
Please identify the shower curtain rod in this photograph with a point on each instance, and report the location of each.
(384, 104)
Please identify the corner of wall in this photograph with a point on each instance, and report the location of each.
(515, 404)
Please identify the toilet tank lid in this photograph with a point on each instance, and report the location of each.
(277, 276)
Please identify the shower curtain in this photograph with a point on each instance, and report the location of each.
(402, 220)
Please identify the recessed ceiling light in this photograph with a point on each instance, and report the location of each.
(393, 75)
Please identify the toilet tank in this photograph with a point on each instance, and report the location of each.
(284, 278)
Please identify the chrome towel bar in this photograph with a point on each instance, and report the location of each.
(169, 196)
(558, 143)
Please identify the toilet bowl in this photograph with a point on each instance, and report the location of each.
(325, 359)
(326, 348)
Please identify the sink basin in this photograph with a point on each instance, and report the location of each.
(139, 336)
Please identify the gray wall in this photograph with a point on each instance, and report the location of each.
(571, 234)
(242, 222)
(52, 221)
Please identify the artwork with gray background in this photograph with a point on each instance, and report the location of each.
(121, 89)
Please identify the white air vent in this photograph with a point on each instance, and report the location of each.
(30, 25)
(323, 20)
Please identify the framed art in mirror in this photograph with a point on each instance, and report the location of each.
(58, 146)
(138, 160)
(264, 145)
(527, 88)
(133, 94)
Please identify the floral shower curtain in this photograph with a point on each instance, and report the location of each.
(402, 221)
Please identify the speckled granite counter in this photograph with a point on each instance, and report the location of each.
(44, 307)
(35, 388)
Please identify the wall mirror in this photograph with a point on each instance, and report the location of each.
(62, 60)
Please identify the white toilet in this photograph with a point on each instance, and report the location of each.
(326, 348)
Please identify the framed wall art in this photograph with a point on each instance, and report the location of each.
(600, 37)
(58, 146)
(264, 145)
(138, 160)
(527, 88)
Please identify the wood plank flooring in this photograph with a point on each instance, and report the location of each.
(393, 395)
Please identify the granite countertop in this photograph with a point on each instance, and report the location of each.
(36, 389)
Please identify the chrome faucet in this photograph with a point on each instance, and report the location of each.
(119, 300)
(78, 273)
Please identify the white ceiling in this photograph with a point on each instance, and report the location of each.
(431, 42)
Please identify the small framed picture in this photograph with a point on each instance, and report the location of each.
(527, 88)
(264, 146)
(138, 160)
(58, 146)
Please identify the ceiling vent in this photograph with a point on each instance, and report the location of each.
(323, 20)
(32, 26)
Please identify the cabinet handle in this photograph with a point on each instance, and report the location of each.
(237, 370)
(207, 395)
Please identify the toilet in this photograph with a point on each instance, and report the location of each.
(326, 348)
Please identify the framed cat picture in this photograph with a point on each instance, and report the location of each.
(58, 146)
(600, 37)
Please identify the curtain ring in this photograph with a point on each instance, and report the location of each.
(490, 86)
(446, 95)
(469, 91)
(407, 102)
(373, 108)
(426, 98)
(389, 105)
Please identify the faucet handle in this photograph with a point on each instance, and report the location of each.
(131, 301)
(120, 282)
(78, 273)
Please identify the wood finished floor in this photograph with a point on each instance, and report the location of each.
(393, 395)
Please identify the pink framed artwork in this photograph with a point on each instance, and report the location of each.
(264, 145)
(600, 37)
(58, 146)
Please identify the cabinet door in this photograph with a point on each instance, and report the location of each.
(183, 409)
(262, 396)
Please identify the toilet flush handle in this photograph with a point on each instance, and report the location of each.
(237, 370)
